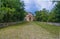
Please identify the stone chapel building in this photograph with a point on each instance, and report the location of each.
(29, 17)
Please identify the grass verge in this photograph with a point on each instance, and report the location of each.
(51, 28)
(14, 26)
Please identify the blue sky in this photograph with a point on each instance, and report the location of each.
(34, 5)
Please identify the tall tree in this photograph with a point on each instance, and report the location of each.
(12, 10)
(42, 15)
(55, 13)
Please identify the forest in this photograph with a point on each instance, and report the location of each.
(13, 10)
(49, 16)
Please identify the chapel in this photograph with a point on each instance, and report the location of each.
(29, 17)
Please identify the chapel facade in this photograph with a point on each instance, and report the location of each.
(29, 17)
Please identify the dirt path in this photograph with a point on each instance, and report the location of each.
(28, 31)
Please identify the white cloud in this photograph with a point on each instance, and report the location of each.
(43, 4)
(33, 5)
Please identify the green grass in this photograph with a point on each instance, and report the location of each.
(14, 31)
(14, 26)
(51, 28)
(17, 31)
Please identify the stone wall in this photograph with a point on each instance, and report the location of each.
(51, 23)
(8, 24)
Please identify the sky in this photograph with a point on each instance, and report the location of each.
(36, 5)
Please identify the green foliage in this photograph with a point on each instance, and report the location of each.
(42, 15)
(51, 28)
(11, 10)
(52, 16)
(55, 13)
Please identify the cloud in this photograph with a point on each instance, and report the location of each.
(44, 4)
(30, 6)
(34, 5)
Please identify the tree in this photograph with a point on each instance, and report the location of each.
(55, 13)
(12, 10)
(51, 17)
(42, 15)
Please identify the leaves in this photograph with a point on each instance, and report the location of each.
(11, 10)
(42, 15)
(52, 16)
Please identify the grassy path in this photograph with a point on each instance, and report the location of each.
(25, 31)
